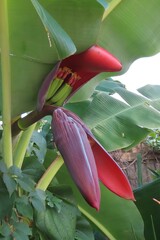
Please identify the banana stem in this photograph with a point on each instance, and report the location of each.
(50, 173)
(22, 145)
(96, 222)
(31, 118)
(6, 85)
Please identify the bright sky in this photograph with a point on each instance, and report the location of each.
(142, 72)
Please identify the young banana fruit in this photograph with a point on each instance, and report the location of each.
(61, 86)
(61, 94)
(55, 85)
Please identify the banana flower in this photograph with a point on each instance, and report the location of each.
(73, 72)
(86, 159)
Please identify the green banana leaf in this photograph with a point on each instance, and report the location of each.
(109, 86)
(33, 51)
(121, 124)
(118, 219)
(149, 209)
(127, 29)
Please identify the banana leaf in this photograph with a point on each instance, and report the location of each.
(32, 38)
(121, 124)
(149, 209)
(129, 31)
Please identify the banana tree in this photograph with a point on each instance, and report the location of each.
(49, 50)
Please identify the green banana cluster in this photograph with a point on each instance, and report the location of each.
(54, 86)
(58, 92)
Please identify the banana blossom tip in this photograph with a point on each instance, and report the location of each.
(72, 142)
(86, 160)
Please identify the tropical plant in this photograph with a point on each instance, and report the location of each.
(49, 49)
(153, 140)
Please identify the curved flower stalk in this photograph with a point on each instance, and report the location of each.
(73, 72)
(86, 159)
